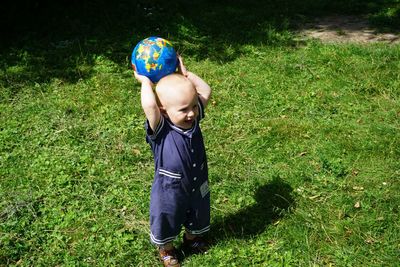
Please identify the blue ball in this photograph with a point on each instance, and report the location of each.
(155, 58)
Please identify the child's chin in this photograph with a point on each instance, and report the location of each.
(187, 125)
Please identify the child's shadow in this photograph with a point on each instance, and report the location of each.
(273, 201)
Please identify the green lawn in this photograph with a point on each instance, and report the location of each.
(303, 143)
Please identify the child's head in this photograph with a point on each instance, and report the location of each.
(178, 100)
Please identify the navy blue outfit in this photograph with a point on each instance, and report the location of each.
(180, 193)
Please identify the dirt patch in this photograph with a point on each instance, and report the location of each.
(341, 29)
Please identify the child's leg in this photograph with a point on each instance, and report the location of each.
(167, 246)
(195, 243)
(166, 217)
(197, 224)
(189, 236)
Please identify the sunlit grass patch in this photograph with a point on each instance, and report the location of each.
(302, 143)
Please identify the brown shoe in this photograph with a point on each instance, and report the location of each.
(169, 258)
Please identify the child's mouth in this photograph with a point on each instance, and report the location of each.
(189, 122)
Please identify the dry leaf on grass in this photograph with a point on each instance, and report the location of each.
(358, 188)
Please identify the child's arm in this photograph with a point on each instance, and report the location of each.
(202, 88)
(149, 101)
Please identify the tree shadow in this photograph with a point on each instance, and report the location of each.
(273, 201)
(43, 39)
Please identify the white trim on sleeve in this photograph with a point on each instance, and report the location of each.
(158, 129)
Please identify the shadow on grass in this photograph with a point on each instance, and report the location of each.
(45, 39)
(273, 201)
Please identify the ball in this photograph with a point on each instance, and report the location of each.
(154, 57)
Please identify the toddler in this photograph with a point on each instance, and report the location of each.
(180, 193)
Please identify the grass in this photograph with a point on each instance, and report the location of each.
(302, 140)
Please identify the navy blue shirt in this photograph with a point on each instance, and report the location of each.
(180, 153)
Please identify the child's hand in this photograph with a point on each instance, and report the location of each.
(181, 67)
(142, 79)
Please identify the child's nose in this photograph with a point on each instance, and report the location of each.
(191, 114)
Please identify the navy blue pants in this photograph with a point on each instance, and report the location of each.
(175, 203)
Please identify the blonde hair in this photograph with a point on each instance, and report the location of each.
(173, 86)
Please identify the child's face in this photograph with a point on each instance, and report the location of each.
(178, 100)
(184, 111)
